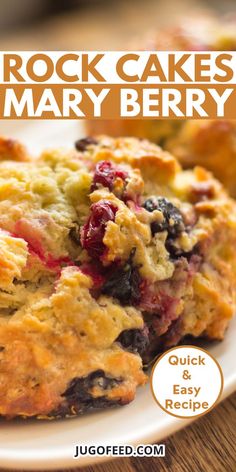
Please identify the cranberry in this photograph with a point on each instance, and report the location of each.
(105, 174)
(93, 231)
(95, 272)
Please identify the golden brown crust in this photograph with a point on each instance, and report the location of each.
(210, 144)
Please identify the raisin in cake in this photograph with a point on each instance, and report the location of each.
(211, 143)
(110, 253)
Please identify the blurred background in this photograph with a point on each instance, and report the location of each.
(91, 24)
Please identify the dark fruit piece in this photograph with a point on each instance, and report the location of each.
(74, 236)
(78, 397)
(68, 409)
(174, 333)
(82, 144)
(173, 220)
(105, 174)
(123, 284)
(80, 387)
(176, 253)
(93, 231)
(134, 340)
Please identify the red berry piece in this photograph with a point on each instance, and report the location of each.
(93, 231)
(95, 272)
(105, 175)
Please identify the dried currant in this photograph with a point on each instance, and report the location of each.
(74, 236)
(134, 340)
(79, 396)
(172, 219)
(176, 252)
(123, 283)
(82, 144)
(80, 387)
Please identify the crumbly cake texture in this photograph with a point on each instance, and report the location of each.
(109, 254)
(209, 143)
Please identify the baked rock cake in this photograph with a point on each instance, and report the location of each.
(110, 253)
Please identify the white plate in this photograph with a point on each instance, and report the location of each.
(50, 445)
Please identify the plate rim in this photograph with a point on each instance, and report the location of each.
(65, 458)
